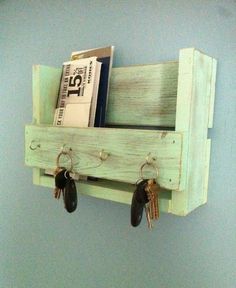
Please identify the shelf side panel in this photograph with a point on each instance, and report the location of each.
(46, 82)
(45, 85)
(194, 115)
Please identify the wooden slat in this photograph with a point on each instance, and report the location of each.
(128, 149)
(46, 82)
(37, 174)
(109, 190)
(194, 96)
(143, 95)
(207, 166)
(212, 94)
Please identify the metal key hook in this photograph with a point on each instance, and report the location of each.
(103, 155)
(66, 149)
(149, 162)
(66, 154)
(34, 145)
(150, 159)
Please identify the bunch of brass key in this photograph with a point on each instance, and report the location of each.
(152, 207)
(145, 197)
(65, 184)
(61, 175)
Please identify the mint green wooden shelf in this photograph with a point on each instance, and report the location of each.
(178, 95)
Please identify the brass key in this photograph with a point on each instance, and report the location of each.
(154, 190)
(148, 216)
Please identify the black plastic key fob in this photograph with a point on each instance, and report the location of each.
(138, 202)
(70, 196)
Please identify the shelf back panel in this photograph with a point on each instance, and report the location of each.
(141, 95)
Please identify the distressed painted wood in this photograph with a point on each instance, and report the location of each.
(46, 82)
(143, 95)
(212, 94)
(108, 190)
(177, 94)
(196, 83)
(127, 148)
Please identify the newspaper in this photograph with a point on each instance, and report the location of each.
(105, 56)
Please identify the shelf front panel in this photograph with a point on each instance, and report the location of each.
(127, 148)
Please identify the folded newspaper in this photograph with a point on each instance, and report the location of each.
(105, 56)
(78, 92)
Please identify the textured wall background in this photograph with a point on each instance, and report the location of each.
(41, 245)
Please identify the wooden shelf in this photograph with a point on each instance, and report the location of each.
(147, 98)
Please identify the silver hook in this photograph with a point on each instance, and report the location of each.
(33, 145)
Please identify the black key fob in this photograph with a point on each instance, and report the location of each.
(61, 178)
(70, 196)
(138, 202)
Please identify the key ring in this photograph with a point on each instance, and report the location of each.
(69, 156)
(148, 164)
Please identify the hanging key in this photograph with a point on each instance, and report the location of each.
(148, 216)
(152, 202)
(149, 206)
(57, 191)
(155, 188)
(70, 195)
(139, 200)
(152, 189)
(61, 177)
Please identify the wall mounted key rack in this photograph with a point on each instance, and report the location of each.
(161, 111)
